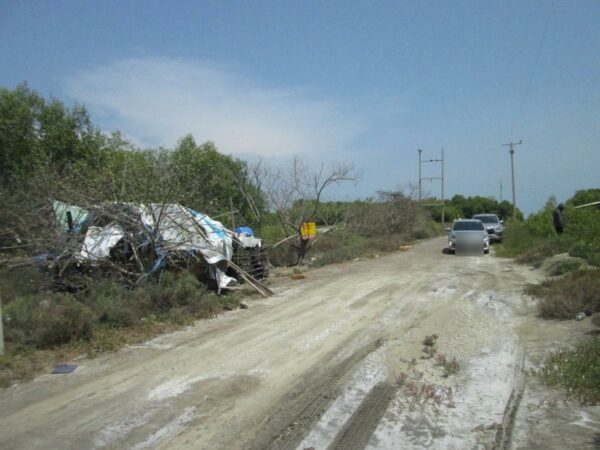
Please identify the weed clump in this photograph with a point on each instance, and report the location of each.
(569, 295)
(577, 371)
(565, 266)
(451, 367)
(429, 346)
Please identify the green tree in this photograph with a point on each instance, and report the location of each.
(20, 151)
(36, 134)
(212, 182)
(584, 196)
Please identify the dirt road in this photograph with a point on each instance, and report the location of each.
(334, 361)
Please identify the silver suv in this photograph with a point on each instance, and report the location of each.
(492, 224)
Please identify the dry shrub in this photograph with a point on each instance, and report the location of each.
(393, 213)
(563, 298)
(345, 245)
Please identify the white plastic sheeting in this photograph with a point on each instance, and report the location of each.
(183, 229)
(78, 215)
(249, 241)
(172, 228)
(98, 242)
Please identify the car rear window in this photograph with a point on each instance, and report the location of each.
(467, 226)
(487, 219)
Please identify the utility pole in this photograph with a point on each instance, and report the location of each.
(512, 173)
(443, 201)
(1, 332)
(420, 182)
(500, 191)
(421, 178)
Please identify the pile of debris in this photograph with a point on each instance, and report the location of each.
(139, 241)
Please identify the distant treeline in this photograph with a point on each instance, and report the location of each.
(460, 206)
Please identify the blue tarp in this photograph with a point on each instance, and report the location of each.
(246, 230)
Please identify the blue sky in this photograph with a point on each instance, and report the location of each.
(367, 82)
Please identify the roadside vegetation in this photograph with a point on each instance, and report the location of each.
(576, 286)
(569, 295)
(533, 240)
(50, 151)
(577, 371)
(43, 327)
(573, 289)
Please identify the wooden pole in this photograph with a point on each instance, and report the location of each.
(1, 331)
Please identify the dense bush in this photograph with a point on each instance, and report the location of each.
(112, 304)
(50, 319)
(535, 239)
(44, 321)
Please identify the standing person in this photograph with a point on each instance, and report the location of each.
(557, 218)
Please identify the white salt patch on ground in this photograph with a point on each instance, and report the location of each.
(444, 291)
(370, 372)
(495, 305)
(171, 388)
(335, 326)
(479, 397)
(115, 430)
(586, 421)
(169, 429)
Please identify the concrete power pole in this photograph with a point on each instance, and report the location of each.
(1, 332)
(443, 200)
(512, 173)
(421, 178)
(420, 182)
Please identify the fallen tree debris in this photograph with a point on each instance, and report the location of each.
(135, 242)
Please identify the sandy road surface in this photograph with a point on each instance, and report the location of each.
(334, 361)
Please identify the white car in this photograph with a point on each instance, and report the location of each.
(493, 225)
(468, 236)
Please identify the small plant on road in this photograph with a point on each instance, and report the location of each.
(429, 346)
(451, 367)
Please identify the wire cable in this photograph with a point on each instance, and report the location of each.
(534, 68)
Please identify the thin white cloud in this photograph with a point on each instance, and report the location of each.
(156, 101)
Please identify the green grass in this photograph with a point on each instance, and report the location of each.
(577, 371)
